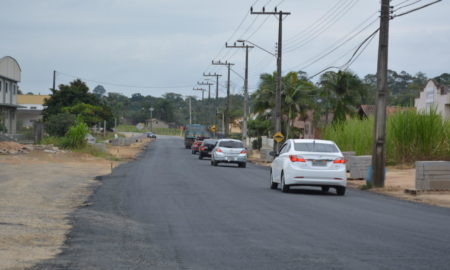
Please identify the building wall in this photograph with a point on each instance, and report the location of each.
(9, 77)
(430, 98)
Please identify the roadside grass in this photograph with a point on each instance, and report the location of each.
(410, 136)
(128, 128)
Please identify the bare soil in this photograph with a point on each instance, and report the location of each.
(38, 191)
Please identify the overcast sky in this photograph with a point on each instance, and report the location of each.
(157, 46)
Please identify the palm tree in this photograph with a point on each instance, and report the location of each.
(341, 92)
(296, 97)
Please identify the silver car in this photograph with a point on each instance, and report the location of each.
(229, 151)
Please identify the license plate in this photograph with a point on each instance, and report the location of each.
(320, 163)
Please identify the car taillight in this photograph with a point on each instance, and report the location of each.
(202, 148)
(219, 150)
(243, 152)
(295, 158)
(339, 161)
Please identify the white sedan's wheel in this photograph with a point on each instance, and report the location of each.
(284, 187)
(272, 184)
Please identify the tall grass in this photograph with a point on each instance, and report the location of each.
(410, 136)
(75, 137)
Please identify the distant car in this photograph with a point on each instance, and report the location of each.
(206, 147)
(196, 145)
(306, 162)
(229, 151)
(150, 135)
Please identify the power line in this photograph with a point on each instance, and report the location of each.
(415, 9)
(315, 33)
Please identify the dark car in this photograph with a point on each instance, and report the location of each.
(150, 135)
(206, 147)
(196, 145)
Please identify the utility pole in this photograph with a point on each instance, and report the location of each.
(280, 15)
(244, 126)
(54, 79)
(227, 105)
(379, 132)
(190, 111)
(209, 87)
(217, 95)
(200, 89)
(151, 118)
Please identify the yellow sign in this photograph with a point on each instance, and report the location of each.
(278, 137)
(213, 128)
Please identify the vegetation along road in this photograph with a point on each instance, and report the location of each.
(169, 210)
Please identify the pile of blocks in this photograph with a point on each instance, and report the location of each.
(359, 166)
(433, 175)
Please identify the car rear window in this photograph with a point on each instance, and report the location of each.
(209, 141)
(316, 147)
(231, 144)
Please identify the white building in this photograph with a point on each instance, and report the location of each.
(31, 107)
(9, 77)
(434, 96)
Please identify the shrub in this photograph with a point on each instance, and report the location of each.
(75, 137)
(410, 136)
(59, 124)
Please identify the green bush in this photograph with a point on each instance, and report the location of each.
(56, 141)
(410, 136)
(75, 137)
(59, 124)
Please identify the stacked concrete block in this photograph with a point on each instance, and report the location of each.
(265, 156)
(433, 175)
(347, 156)
(359, 166)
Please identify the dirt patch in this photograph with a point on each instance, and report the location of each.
(398, 180)
(38, 191)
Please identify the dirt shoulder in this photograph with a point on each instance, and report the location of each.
(397, 181)
(38, 191)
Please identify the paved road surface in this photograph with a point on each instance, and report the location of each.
(169, 210)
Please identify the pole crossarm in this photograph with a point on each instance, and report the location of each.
(264, 12)
(243, 46)
(205, 83)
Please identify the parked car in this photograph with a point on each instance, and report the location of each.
(150, 135)
(196, 145)
(306, 162)
(206, 147)
(229, 151)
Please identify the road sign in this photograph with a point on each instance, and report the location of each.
(278, 137)
(213, 128)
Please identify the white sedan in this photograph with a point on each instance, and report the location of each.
(308, 162)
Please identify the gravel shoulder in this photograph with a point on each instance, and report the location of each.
(38, 192)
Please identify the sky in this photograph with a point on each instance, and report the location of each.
(153, 47)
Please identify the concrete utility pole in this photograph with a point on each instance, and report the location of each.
(190, 111)
(280, 15)
(54, 79)
(200, 89)
(379, 132)
(209, 87)
(151, 118)
(227, 105)
(217, 95)
(244, 126)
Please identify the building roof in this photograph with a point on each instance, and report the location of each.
(32, 99)
(444, 89)
(368, 110)
(10, 69)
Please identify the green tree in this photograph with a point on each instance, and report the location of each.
(67, 96)
(343, 92)
(99, 91)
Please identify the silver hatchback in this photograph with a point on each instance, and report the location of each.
(229, 151)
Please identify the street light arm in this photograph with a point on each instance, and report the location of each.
(257, 46)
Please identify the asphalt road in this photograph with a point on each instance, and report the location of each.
(169, 210)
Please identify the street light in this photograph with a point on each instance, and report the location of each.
(151, 109)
